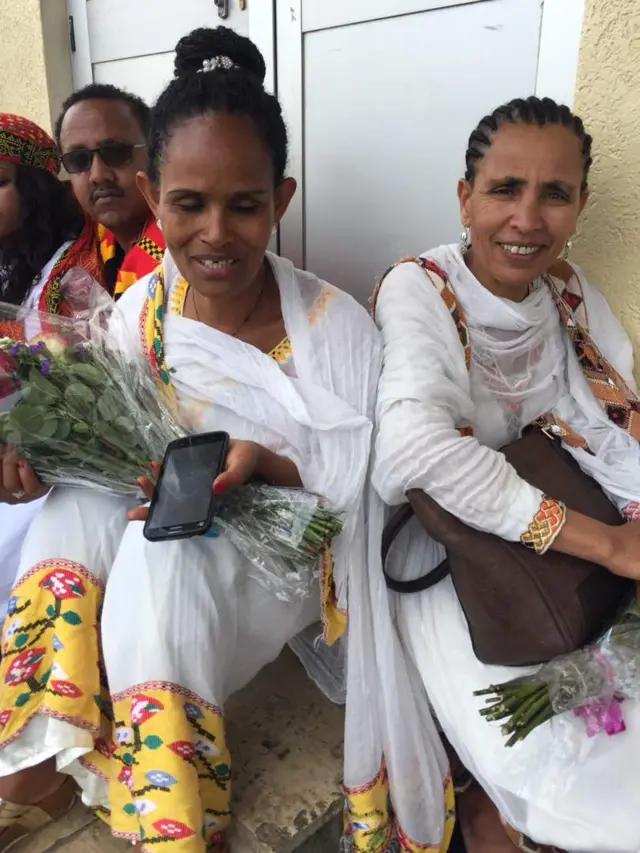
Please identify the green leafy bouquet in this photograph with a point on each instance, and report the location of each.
(591, 682)
(77, 410)
(82, 413)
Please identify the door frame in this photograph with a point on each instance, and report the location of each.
(558, 54)
(261, 31)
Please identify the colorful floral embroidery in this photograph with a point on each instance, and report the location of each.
(49, 634)
(370, 828)
(546, 525)
(169, 767)
(161, 748)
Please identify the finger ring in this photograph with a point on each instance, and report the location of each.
(18, 495)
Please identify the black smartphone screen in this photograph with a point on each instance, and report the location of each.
(183, 497)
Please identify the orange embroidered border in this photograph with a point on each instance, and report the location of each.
(546, 525)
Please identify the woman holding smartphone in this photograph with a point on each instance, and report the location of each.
(137, 645)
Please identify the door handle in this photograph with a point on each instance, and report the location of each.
(223, 8)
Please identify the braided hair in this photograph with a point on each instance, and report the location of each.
(532, 110)
(217, 70)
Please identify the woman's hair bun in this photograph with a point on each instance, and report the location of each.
(205, 44)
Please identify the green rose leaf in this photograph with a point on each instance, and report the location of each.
(20, 640)
(26, 419)
(152, 742)
(22, 699)
(43, 386)
(115, 438)
(51, 611)
(109, 406)
(89, 373)
(129, 809)
(81, 428)
(63, 430)
(125, 424)
(71, 617)
(79, 396)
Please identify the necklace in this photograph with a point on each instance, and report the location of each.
(247, 317)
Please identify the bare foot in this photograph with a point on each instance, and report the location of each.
(480, 823)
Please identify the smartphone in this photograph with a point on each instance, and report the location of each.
(183, 502)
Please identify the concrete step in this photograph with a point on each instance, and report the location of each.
(286, 743)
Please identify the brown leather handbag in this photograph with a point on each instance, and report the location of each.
(522, 608)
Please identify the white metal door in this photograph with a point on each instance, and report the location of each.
(381, 96)
(130, 43)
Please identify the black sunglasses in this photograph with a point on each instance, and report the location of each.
(113, 154)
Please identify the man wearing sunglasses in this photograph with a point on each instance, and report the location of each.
(101, 134)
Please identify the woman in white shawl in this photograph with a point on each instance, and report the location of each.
(42, 236)
(118, 654)
(524, 189)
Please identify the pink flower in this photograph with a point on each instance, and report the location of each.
(143, 708)
(4, 718)
(172, 828)
(183, 748)
(24, 666)
(66, 688)
(63, 584)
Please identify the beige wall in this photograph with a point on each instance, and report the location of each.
(35, 68)
(608, 99)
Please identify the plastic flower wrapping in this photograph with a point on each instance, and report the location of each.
(83, 413)
(590, 683)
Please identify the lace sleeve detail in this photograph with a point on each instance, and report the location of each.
(546, 525)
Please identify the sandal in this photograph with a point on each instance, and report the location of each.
(17, 821)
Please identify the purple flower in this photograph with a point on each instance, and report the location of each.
(44, 367)
(37, 347)
(14, 349)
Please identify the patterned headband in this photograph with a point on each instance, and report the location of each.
(23, 142)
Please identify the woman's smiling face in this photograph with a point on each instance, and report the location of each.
(217, 201)
(523, 205)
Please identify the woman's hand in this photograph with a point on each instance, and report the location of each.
(240, 466)
(18, 481)
(147, 485)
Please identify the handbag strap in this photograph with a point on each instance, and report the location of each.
(405, 513)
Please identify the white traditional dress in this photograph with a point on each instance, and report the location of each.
(558, 787)
(118, 654)
(16, 519)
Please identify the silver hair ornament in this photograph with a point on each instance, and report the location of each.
(224, 62)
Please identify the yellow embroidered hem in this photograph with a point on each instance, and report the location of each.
(370, 825)
(160, 748)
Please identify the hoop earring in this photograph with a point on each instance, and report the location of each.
(567, 250)
(465, 239)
